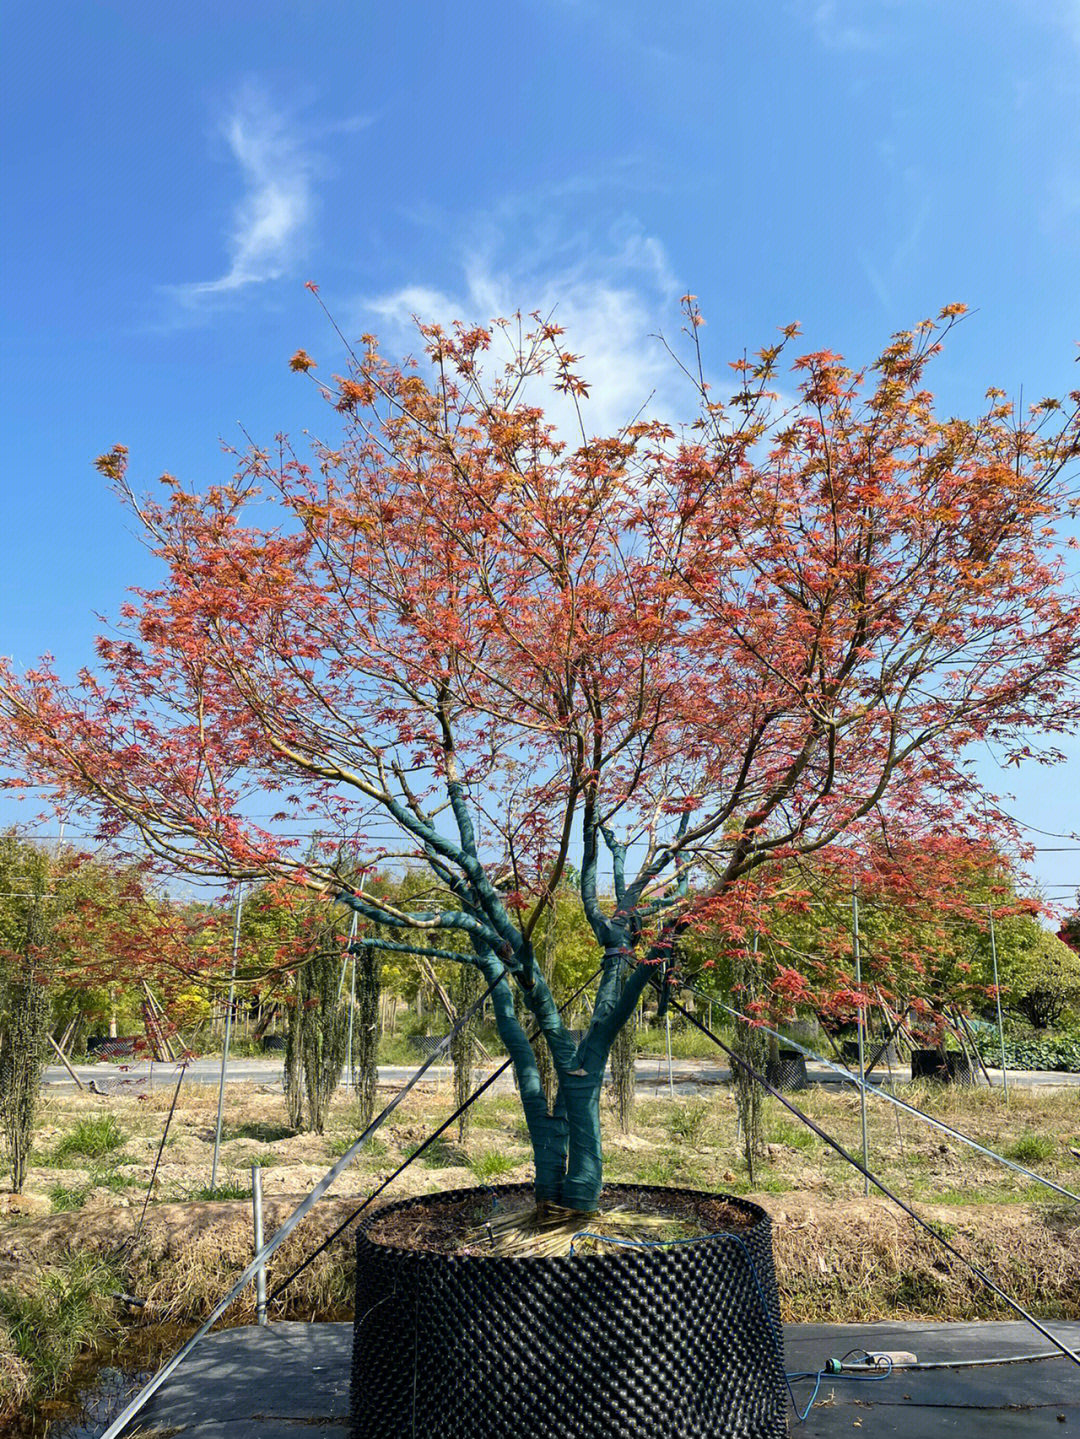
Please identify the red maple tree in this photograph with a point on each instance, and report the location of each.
(670, 657)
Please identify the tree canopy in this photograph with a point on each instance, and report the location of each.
(455, 636)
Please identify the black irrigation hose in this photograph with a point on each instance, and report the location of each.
(435, 1134)
(839, 1148)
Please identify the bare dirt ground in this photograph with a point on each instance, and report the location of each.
(823, 1222)
(840, 1256)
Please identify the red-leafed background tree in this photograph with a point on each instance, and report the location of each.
(677, 659)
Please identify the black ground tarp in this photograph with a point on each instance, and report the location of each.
(290, 1380)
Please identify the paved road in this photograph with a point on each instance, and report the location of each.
(689, 1076)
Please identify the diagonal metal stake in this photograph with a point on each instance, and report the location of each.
(129, 1411)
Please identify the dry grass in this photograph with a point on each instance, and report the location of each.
(14, 1377)
(861, 1260)
(839, 1256)
(550, 1232)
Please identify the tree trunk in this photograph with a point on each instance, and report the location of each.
(22, 1060)
(294, 1062)
(366, 1032)
(566, 1140)
(547, 1131)
(580, 1096)
(324, 1033)
(623, 1076)
(77, 1043)
(548, 1077)
(752, 1045)
(465, 990)
(22, 1050)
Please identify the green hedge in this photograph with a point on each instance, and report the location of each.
(1062, 1052)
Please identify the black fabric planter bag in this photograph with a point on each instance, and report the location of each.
(679, 1341)
(929, 1064)
(882, 1057)
(788, 1072)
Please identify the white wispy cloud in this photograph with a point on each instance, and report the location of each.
(271, 220)
(612, 301)
(1066, 14)
(884, 272)
(839, 25)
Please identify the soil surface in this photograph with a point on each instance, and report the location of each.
(457, 1226)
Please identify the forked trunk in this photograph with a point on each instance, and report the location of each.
(566, 1141)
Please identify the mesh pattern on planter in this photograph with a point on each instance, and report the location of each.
(928, 1064)
(788, 1072)
(675, 1342)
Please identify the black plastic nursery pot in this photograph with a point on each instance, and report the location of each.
(788, 1072)
(876, 1056)
(882, 1057)
(676, 1341)
(950, 1068)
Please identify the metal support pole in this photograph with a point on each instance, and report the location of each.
(349, 1077)
(257, 1219)
(63, 1060)
(228, 1035)
(861, 1028)
(997, 993)
(979, 1061)
(670, 1080)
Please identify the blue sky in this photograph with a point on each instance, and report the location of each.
(173, 176)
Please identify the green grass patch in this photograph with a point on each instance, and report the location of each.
(338, 1144)
(651, 1112)
(231, 1189)
(769, 1184)
(396, 1049)
(978, 1194)
(688, 1043)
(485, 1121)
(115, 1180)
(690, 1121)
(492, 1164)
(661, 1170)
(1032, 1149)
(68, 1310)
(64, 1198)
(263, 1132)
(442, 1154)
(89, 1138)
(790, 1133)
(501, 1106)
